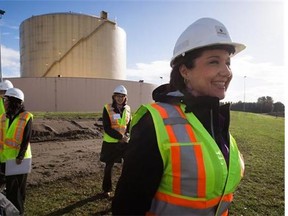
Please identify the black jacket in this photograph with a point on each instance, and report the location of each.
(143, 166)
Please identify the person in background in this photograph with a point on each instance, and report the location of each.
(15, 133)
(181, 158)
(6, 84)
(116, 119)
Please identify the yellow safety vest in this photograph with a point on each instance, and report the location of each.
(118, 123)
(2, 108)
(11, 137)
(196, 179)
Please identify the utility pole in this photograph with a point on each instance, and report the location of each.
(1, 77)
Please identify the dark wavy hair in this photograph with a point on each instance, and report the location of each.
(176, 79)
(14, 106)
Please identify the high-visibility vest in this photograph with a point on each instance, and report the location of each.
(196, 179)
(117, 122)
(2, 108)
(11, 137)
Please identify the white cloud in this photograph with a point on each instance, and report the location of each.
(150, 73)
(10, 60)
(263, 71)
(261, 79)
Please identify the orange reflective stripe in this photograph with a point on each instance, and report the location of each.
(3, 126)
(179, 111)
(161, 110)
(198, 156)
(228, 197)
(117, 124)
(176, 168)
(188, 128)
(12, 144)
(175, 152)
(197, 204)
(190, 133)
(16, 132)
(18, 135)
(109, 111)
(201, 171)
(172, 137)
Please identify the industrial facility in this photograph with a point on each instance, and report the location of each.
(71, 62)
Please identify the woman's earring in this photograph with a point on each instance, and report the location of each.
(186, 81)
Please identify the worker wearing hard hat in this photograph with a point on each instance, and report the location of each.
(15, 134)
(181, 158)
(6, 84)
(116, 119)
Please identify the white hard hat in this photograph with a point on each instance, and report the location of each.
(15, 92)
(202, 33)
(6, 84)
(120, 90)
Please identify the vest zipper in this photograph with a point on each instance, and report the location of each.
(211, 124)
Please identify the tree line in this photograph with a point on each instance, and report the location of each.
(264, 104)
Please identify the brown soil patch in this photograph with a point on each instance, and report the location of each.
(64, 149)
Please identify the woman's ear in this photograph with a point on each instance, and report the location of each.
(183, 71)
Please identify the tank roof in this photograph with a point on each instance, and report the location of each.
(103, 15)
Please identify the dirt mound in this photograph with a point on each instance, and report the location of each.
(64, 148)
(65, 129)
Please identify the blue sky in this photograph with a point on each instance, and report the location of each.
(152, 28)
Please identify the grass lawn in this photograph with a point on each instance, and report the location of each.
(261, 140)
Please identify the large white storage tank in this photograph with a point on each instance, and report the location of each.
(72, 45)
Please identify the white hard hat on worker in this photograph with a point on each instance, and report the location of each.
(202, 33)
(120, 90)
(5, 85)
(15, 93)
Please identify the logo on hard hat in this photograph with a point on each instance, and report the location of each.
(221, 31)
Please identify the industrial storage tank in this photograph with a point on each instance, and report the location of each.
(72, 45)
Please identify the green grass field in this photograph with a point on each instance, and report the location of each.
(260, 139)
